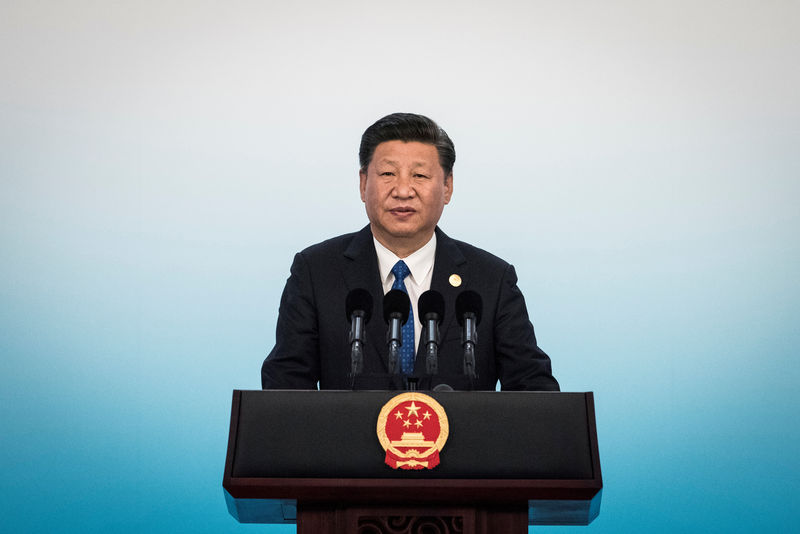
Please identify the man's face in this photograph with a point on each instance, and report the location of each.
(405, 190)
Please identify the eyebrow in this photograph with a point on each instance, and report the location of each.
(391, 162)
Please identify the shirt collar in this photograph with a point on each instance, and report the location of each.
(420, 262)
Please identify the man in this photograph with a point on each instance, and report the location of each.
(406, 179)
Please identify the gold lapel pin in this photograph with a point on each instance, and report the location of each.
(455, 280)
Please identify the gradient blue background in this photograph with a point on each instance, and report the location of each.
(161, 162)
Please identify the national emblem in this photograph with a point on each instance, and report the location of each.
(412, 429)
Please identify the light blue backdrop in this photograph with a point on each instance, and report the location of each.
(161, 162)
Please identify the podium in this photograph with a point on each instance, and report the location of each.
(511, 459)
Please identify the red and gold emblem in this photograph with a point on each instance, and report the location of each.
(412, 429)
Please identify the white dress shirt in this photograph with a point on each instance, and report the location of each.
(420, 263)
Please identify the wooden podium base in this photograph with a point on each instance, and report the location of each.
(357, 519)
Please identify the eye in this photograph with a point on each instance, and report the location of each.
(387, 173)
(423, 176)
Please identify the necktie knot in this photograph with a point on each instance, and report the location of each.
(400, 271)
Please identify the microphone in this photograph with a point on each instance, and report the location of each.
(469, 307)
(396, 306)
(431, 310)
(358, 307)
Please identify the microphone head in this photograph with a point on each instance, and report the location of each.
(396, 301)
(431, 302)
(359, 300)
(469, 302)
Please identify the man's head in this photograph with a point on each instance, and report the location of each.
(406, 178)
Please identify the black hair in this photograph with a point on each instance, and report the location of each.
(407, 127)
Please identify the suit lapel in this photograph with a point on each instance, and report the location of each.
(360, 267)
(449, 261)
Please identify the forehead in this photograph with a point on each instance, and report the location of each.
(402, 153)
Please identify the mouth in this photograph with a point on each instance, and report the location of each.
(402, 211)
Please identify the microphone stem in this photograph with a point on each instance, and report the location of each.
(394, 357)
(357, 357)
(432, 358)
(356, 343)
(432, 344)
(469, 359)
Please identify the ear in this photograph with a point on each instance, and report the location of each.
(362, 186)
(448, 188)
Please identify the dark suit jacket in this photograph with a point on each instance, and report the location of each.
(311, 338)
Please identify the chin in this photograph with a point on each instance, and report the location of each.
(402, 233)
(396, 230)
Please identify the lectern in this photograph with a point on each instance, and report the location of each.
(315, 458)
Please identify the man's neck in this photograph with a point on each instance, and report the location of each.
(403, 247)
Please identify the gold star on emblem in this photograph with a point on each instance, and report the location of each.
(398, 415)
(418, 423)
(413, 409)
(426, 415)
(407, 423)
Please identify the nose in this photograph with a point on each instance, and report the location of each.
(403, 186)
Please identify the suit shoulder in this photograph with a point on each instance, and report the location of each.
(334, 245)
(479, 255)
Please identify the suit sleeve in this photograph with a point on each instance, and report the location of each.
(294, 361)
(522, 365)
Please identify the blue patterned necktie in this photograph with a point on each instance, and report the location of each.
(407, 357)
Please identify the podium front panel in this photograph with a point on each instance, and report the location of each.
(332, 434)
